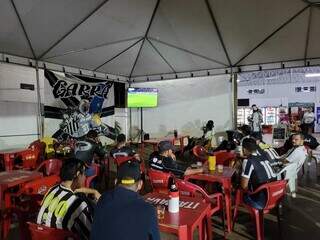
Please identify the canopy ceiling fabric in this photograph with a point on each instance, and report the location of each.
(135, 38)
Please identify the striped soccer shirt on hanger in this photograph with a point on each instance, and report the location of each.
(62, 209)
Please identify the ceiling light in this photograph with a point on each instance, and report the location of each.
(312, 75)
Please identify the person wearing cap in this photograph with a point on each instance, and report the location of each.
(65, 206)
(165, 160)
(122, 213)
(122, 149)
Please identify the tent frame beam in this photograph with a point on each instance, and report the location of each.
(164, 59)
(90, 48)
(23, 28)
(117, 55)
(144, 38)
(272, 34)
(188, 51)
(216, 26)
(308, 35)
(72, 29)
(28, 62)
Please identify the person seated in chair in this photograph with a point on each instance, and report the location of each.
(256, 171)
(122, 149)
(90, 150)
(269, 152)
(122, 213)
(298, 153)
(65, 206)
(165, 160)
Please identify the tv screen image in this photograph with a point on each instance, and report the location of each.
(142, 97)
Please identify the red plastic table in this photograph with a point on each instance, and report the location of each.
(8, 157)
(225, 179)
(155, 141)
(193, 213)
(8, 180)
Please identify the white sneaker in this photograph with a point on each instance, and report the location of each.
(293, 195)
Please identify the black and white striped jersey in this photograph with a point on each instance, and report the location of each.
(62, 209)
(258, 170)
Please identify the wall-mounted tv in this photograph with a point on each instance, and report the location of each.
(142, 97)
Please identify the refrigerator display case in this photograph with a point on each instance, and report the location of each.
(270, 115)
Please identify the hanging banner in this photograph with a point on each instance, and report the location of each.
(79, 102)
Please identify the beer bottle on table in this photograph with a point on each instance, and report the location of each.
(173, 205)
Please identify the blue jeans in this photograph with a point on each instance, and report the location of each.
(257, 201)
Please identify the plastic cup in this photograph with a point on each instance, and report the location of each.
(220, 168)
(212, 163)
(199, 164)
(160, 211)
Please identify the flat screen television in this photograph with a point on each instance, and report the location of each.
(142, 97)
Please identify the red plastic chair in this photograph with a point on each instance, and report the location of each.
(159, 180)
(40, 147)
(200, 153)
(224, 157)
(40, 186)
(275, 193)
(29, 158)
(50, 167)
(216, 200)
(89, 180)
(40, 232)
(122, 159)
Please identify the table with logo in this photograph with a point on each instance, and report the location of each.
(193, 213)
(11, 179)
(224, 178)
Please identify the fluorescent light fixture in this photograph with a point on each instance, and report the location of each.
(312, 75)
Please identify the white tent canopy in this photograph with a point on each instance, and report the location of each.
(142, 39)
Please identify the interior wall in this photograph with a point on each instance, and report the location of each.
(186, 105)
(18, 107)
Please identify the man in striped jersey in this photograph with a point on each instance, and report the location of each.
(64, 207)
(256, 170)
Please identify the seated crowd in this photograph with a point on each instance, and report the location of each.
(122, 211)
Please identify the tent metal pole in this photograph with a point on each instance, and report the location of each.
(23, 29)
(188, 51)
(163, 58)
(117, 55)
(72, 29)
(308, 36)
(141, 124)
(218, 31)
(130, 119)
(39, 111)
(234, 87)
(93, 47)
(272, 34)
(145, 36)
